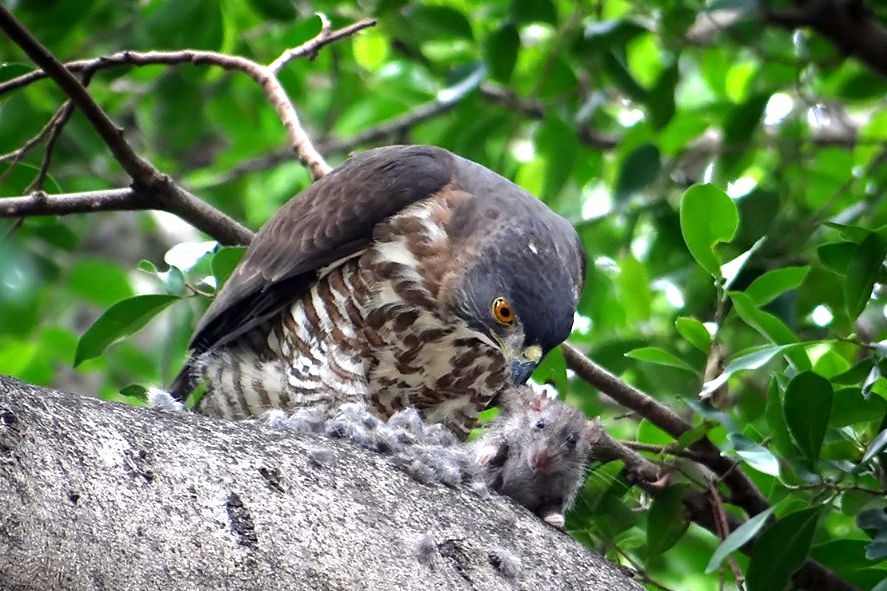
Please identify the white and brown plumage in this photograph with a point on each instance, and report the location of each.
(408, 276)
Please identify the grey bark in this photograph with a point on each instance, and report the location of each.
(96, 495)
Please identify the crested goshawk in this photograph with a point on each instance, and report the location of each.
(408, 276)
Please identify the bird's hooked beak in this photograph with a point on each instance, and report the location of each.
(521, 366)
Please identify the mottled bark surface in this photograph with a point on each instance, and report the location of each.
(95, 495)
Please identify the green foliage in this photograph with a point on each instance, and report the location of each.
(731, 221)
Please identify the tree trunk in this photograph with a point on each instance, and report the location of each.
(95, 495)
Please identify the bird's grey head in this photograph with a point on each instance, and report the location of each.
(522, 285)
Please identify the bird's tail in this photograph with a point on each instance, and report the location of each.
(184, 383)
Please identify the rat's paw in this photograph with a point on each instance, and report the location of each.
(555, 520)
(486, 453)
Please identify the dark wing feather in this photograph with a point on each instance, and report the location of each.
(330, 220)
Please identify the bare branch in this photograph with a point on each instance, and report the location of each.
(744, 493)
(40, 203)
(850, 25)
(264, 76)
(310, 48)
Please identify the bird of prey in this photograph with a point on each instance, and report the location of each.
(408, 276)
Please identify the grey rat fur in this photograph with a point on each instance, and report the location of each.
(535, 452)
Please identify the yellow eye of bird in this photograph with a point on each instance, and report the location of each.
(502, 311)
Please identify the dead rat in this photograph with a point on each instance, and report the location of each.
(535, 452)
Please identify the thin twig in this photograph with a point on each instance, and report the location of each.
(723, 527)
(667, 450)
(310, 48)
(154, 189)
(264, 76)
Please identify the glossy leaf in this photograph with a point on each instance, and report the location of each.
(666, 520)
(224, 262)
(708, 217)
(738, 538)
(862, 270)
(780, 550)
(754, 358)
(660, 357)
(877, 445)
(771, 284)
(120, 320)
(694, 332)
(807, 407)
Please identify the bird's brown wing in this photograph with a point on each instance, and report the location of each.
(332, 219)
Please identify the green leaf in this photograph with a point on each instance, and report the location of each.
(835, 256)
(737, 539)
(301, 31)
(99, 282)
(862, 270)
(659, 357)
(852, 407)
(765, 323)
(877, 446)
(282, 10)
(639, 169)
(778, 431)
(708, 217)
(634, 287)
(781, 550)
(807, 407)
(660, 100)
(122, 319)
(136, 391)
(753, 358)
(755, 455)
(553, 369)
(694, 332)
(500, 52)
(439, 23)
(557, 142)
(667, 520)
(8, 71)
(224, 262)
(531, 11)
(771, 284)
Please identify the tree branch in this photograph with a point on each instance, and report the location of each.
(168, 195)
(744, 493)
(94, 496)
(850, 25)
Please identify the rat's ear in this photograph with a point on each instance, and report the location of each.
(538, 402)
(592, 429)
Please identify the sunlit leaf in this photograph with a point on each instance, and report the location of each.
(694, 332)
(660, 357)
(708, 217)
(737, 539)
(120, 320)
(771, 284)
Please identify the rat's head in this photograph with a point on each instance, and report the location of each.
(558, 436)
